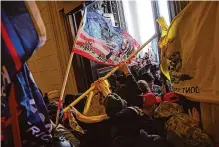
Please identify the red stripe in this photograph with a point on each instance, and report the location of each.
(14, 118)
(98, 51)
(86, 55)
(59, 104)
(93, 48)
(94, 41)
(8, 122)
(11, 47)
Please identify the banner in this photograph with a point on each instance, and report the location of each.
(99, 41)
(26, 119)
(32, 116)
(190, 49)
(22, 30)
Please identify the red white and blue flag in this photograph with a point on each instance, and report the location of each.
(99, 41)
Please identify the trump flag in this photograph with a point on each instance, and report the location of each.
(99, 41)
(26, 118)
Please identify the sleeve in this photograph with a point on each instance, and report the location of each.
(132, 89)
(153, 126)
(130, 82)
(125, 116)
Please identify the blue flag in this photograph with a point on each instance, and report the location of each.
(26, 118)
(19, 34)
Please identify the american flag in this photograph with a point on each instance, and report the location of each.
(99, 41)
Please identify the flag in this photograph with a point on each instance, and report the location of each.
(26, 119)
(22, 31)
(189, 51)
(163, 60)
(99, 41)
(29, 111)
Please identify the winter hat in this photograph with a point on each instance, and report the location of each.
(143, 85)
(52, 110)
(150, 99)
(114, 104)
(53, 95)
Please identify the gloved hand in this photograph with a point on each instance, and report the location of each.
(123, 67)
(194, 114)
(103, 86)
(75, 111)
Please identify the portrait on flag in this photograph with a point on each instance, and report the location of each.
(99, 41)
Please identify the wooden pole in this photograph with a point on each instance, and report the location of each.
(79, 98)
(88, 102)
(131, 56)
(63, 87)
(109, 74)
(66, 73)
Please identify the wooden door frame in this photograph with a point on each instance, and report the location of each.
(62, 43)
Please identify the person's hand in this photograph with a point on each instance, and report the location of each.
(123, 67)
(75, 111)
(103, 86)
(194, 114)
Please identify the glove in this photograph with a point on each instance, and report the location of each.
(195, 115)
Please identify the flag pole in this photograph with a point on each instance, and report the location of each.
(63, 86)
(108, 75)
(78, 99)
(131, 56)
(88, 102)
(66, 74)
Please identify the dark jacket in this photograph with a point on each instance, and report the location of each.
(134, 95)
(127, 130)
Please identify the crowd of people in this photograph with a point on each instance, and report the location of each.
(137, 109)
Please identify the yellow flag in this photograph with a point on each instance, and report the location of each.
(163, 60)
(190, 49)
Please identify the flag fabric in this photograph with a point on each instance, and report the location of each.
(99, 41)
(189, 51)
(22, 31)
(163, 60)
(31, 113)
(26, 118)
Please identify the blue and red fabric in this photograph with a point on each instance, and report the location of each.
(26, 119)
(19, 35)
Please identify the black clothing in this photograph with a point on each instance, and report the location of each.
(114, 104)
(143, 70)
(134, 95)
(127, 130)
(97, 135)
(127, 122)
(153, 125)
(52, 110)
(157, 81)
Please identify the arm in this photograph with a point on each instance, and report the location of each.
(131, 86)
(130, 81)
(89, 119)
